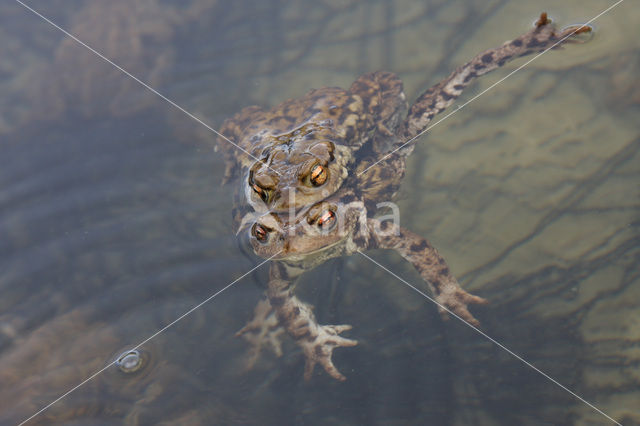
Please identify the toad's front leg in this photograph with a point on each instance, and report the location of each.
(263, 331)
(429, 263)
(317, 341)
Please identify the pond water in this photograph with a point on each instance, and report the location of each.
(114, 221)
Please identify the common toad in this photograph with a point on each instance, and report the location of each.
(302, 150)
(362, 153)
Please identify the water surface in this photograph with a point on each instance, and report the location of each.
(113, 220)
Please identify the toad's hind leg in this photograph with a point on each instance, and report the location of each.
(317, 341)
(442, 95)
(431, 266)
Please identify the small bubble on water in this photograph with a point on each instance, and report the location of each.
(129, 361)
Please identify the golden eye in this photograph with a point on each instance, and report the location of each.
(263, 194)
(318, 175)
(326, 220)
(260, 233)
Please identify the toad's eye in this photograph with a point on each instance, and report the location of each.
(318, 175)
(262, 193)
(260, 232)
(326, 220)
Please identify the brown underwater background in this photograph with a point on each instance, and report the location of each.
(113, 221)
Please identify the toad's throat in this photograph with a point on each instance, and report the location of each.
(313, 257)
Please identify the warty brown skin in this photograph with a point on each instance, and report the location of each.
(330, 127)
(299, 243)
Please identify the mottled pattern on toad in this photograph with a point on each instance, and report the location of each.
(307, 147)
(341, 222)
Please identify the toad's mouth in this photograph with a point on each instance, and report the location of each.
(295, 256)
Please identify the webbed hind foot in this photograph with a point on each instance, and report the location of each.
(318, 350)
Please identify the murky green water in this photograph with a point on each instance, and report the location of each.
(113, 222)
